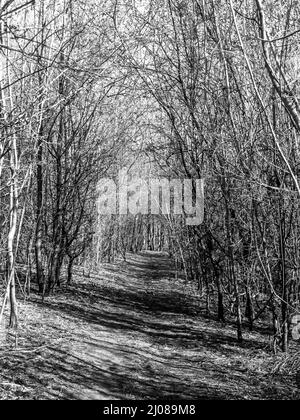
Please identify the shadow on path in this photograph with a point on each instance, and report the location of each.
(132, 332)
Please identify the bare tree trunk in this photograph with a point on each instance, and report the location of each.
(283, 275)
(7, 104)
(39, 225)
(249, 308)
(10, 243)
(70, 271)
(39, 174)
(221, 312)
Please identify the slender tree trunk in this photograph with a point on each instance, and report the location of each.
(7, 104)
(285, 294)
(41, 281)
(70, 271)
(11, 261)
(232, 272)
(39, 210)
(221, 312)
(249, 309)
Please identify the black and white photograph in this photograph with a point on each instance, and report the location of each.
(149, 203)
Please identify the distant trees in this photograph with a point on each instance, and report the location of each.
(53, 147)
(223, 79)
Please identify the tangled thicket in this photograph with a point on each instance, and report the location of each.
(179, 89)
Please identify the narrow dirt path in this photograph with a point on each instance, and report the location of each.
(133, 332)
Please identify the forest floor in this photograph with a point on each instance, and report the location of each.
(134, 332)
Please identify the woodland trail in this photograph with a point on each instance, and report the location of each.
(133, 332)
